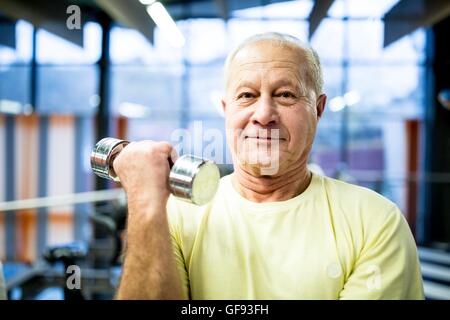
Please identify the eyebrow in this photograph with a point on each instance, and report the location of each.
(278, 83)
(287, 82)
(243, 84)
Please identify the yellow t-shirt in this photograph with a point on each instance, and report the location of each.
(333, 241)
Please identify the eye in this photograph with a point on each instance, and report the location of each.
(286, 95)
(245, 95)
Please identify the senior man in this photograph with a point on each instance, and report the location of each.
(283, 233)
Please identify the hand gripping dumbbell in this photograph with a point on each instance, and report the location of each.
(191, 178)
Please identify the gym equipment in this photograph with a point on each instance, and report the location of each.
(49, 276)
(2, 284)
(191, 178)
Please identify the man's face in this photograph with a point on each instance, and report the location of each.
(271, 115)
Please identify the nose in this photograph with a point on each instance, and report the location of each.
(266, 112)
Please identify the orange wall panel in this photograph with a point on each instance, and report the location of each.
(26, 174)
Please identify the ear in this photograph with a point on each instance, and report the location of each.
(224, 104)
(320, 105)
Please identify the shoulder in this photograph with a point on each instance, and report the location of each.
(353, 198)
(361, 207)
(372, 220)
(353, 194)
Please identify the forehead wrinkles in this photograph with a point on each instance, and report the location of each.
(268, 64)
(250, 63)
(269, 54)
(260, 72)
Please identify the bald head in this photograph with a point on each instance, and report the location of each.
(308, 60)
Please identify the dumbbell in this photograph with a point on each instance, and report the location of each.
(191, 178)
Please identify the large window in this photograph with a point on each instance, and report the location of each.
(159, 88)
(14, 70)
(67, 74)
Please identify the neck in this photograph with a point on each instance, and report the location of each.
(284, 186)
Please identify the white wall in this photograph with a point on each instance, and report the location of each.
(61, 173)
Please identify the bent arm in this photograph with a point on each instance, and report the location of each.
(149, 270)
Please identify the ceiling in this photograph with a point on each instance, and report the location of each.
(404, 17)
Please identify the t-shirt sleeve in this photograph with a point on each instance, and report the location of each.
(388, 265)
(175, 233)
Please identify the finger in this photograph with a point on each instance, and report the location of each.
(169, 151)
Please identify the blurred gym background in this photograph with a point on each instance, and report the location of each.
(72, 72)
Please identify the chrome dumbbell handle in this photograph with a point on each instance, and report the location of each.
(191, 178)
(102, 157)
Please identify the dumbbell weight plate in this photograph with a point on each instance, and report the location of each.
(194, 179)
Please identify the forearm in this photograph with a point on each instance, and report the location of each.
(149, 270)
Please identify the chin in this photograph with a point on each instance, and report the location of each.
(262, 165)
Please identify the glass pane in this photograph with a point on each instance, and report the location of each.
(365, 44)
(377, 154)
(52, 49)
(326, 147)
(394, 90)
(239, 29)
(205, 90)
(14, 85)
(365, 39)
(328, 40)
(332, 76)
(298, 29)
(23, 51)
(146, 92)
(206, 40)
(408, 49)
(151, 129)
(67, 90)
(128, 46)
